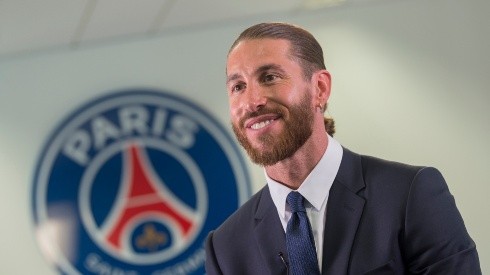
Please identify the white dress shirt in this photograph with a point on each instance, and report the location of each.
(315, 189)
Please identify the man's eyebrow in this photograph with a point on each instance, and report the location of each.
(268, 67)
(232, 78)
(260, 70)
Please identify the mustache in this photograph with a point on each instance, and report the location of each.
(262, 111)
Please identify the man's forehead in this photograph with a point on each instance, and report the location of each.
(261, 45)
(256, 54)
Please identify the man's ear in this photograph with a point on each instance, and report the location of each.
(322, 83)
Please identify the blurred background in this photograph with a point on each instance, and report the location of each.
(411, 83)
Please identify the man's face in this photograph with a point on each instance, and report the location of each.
(270, 101)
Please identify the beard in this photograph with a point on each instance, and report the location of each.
(298, 128)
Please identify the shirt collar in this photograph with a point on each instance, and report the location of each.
(320, 178)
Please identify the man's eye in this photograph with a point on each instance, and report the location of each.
(237, 88)
(269, 77)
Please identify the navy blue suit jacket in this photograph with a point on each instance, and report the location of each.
(382, 218)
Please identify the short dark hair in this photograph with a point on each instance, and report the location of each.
(304, 48)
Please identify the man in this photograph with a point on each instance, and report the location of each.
(325, 209)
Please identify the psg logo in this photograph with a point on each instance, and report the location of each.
(131, 183)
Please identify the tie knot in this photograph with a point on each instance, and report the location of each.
(295, 201)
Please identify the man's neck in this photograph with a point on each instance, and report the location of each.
(294, 170)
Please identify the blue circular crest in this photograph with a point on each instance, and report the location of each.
(131, 183)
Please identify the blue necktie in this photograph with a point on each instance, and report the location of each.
(299, 239)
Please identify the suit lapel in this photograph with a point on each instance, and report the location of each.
(344, 210)
(270, 234)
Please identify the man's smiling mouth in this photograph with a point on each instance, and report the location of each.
(262, 124)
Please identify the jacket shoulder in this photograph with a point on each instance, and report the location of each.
(242, 218)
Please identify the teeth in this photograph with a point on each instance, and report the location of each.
(260, 125)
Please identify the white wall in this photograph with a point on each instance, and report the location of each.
(410, 83)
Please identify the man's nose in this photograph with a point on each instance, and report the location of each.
(255, 98)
